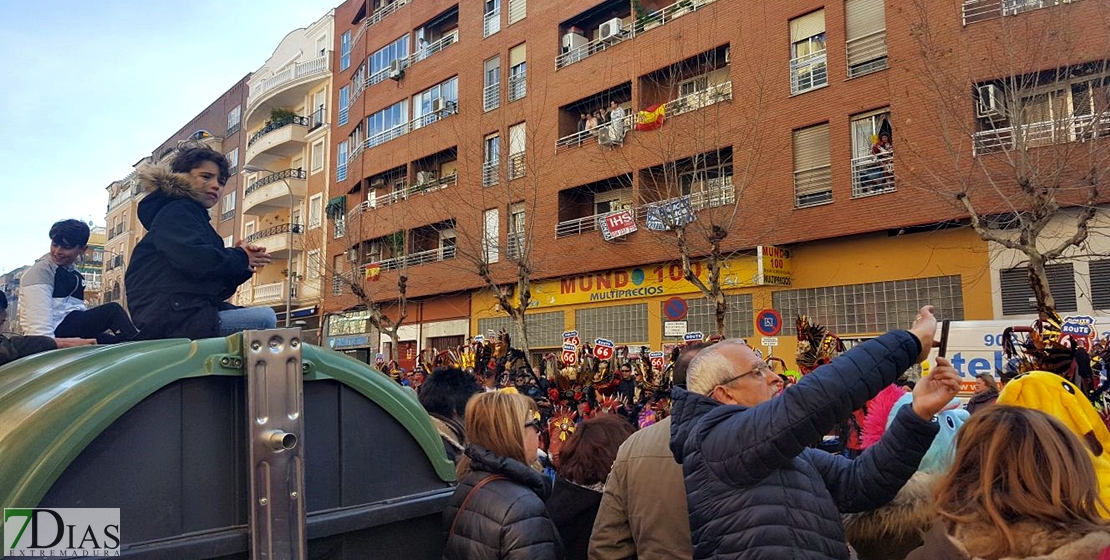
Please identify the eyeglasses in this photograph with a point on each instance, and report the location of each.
(534, 424)
(762, 370)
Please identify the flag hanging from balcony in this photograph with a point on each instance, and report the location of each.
(373, 272)
(650, 118)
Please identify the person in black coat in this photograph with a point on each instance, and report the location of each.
(180, 273)
(497, 510)
(584, 464)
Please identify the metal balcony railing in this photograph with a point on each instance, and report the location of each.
(318, 118)
(378, 15)
(808, 72)
(631, 30)
(710, 193)
(518, 85)
(1032, 135)
(277, 125)
(491, 97)
(491, 22)
(813, 186)
(407, 62)
(227, 215)
(872, 174)
(514, 245)
(275, 177)
(414, 259)
(982, 10)
(516, 166)
(866, 54)
(490, 173)
(276, 230)
(452, 107)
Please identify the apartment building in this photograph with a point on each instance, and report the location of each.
(91, 266)
(123, 232)
(288, 137)
(813, 139)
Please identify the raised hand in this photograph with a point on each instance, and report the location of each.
(925, 329)
(934, 391)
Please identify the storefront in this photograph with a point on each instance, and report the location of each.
(351, 333)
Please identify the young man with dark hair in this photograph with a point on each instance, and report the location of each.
(444, 395)
(14, 347)
(52, 294)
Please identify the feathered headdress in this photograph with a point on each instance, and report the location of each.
(816, 346)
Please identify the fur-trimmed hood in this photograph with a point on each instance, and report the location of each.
(163, 186)
(1038, 542)
(895, 529)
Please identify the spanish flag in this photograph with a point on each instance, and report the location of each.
(373, 271)
(650, 118)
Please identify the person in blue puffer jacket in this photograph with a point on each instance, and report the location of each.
(754, 487)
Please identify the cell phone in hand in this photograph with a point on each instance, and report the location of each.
(944, 326)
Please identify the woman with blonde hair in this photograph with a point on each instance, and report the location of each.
(986, 393)
(1022, 486)
(497, 510)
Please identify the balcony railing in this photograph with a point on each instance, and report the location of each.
(808, 72)
(268, 293)
(406, 62)
(404, 193)
(414, 259)
(384, 136)
(1083, 127)
(308, 68)
(276, 230)
(873, 174)
(275, 177)
(227, 215)
(711, 193)
(491, 97)
(518, 85)
(491, 22)
(631, 30)
(490, 173)
(866, 54)
(517, 169)
(318, 119)
(514, 248)
(982, 10)
(277, 125)
(378, 16)
(813, 186)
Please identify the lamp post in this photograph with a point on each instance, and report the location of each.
(289, 248)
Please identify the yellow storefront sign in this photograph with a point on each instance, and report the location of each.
(770, 266)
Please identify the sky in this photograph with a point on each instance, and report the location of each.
(89, 88)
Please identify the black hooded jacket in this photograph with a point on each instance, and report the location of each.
(180, 272)
(505, 519)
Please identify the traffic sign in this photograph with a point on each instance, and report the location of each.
(693, 336)
(768, 322)
(674, 328)
(675, 309)
(603, 349)
(769, 341)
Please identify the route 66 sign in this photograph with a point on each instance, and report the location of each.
(603, 349)
(656, 360)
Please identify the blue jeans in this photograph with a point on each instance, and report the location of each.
(246, 318)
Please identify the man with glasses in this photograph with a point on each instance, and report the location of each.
(755, 487)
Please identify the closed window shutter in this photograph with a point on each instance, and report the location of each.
(517, 10)
(518, 54)
(807, 26)
(811, 147)
(863, 18)
(1100, 284)
(1017, 293)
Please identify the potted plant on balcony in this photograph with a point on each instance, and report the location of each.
(644, 19)
(280, 117)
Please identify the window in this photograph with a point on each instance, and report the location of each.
(491, 95)
(340, 225)
(322, 45)
(435, 103)
(491, 22)
(517, 10)
(491, 158)
(623, 324)
(337, 274)
(516, 150)
(491, 230)
(345, 50)
(710, 187)
(865, 22)
(807, 53)
(693, 85)
(516, 233)
(229, 241)
(702, 316)
(315, 210)
(518, 72)
(875, 307)
(1100, 284)
(384, 125)
(812, 171)
(341, 162)
(344, 104)
(234, 119)
(1017, 293)
(872, 153)
(611, 201)
(317, 156)
(545, 330)
(312, 264)
(227, 207)
(248, 229)
(233, 161)
(381, 60)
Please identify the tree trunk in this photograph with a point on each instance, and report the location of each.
(1038, 279)
(395, 343)
(720, 307)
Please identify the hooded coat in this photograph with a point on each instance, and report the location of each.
(505, 519)
(180, 272)
(573, 509)
(756, 489)
(1037, 543)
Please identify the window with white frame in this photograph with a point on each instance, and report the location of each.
(384, 57)
(315, 210)
(312, 264)
(322, 45)
(491, 157)
(345, 50)
(808, 69)
(344, 104)
(229, 241)
(517, 145)
(233, 161)
(490, 234)
(812, 169)
(491, 94)
(227, 206)
(341, 162)
(491, 20)
(234, 119)
(317, 156)
(518, 9)
(384, 125)
(611, 201)
(872, 153)
(518, 72)
(435, 102)
(516, 232)
(865, 25)
(248, 229)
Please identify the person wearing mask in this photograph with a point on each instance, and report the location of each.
(1022, 486)
(497, 511)
(584, 464)
(181, 274)
(755, 486)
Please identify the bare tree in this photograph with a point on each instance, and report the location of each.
(1021, 110)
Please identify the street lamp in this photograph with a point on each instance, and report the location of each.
(289, 248)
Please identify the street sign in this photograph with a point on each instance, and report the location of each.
(674, 328)
(769, 341)
(768, 322)
(693, 336)
(570, 357)
(603, 349)
(617, 224)
(675, 309)
(656, 359)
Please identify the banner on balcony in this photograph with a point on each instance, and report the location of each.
(667, 215)
(650, 118)
(373, 272)
(617, 224)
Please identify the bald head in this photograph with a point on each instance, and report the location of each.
(732, 373)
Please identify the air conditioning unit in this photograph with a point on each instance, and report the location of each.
(610, 29)
(990, 103)
(377, 181)
(396, 72)
(572, 41)
(352, 255)
(425, 177)
(439, 104)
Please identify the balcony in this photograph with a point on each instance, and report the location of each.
(808, 72)
(271, 193)
(451, 108)
(277, 239)
(711, 193)
(491, 97)
(303, 291)
(491, 22)
(408, 61)
(975, 11)
(514, 248)
(277, 140)
(518, 86)
(317, 119)
(404, 193)
(268, 294)
(286, 88)
(872, 174)
(1046, 133)
(866, 54)
(414, 259)
(631, 31)
(377, 17)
